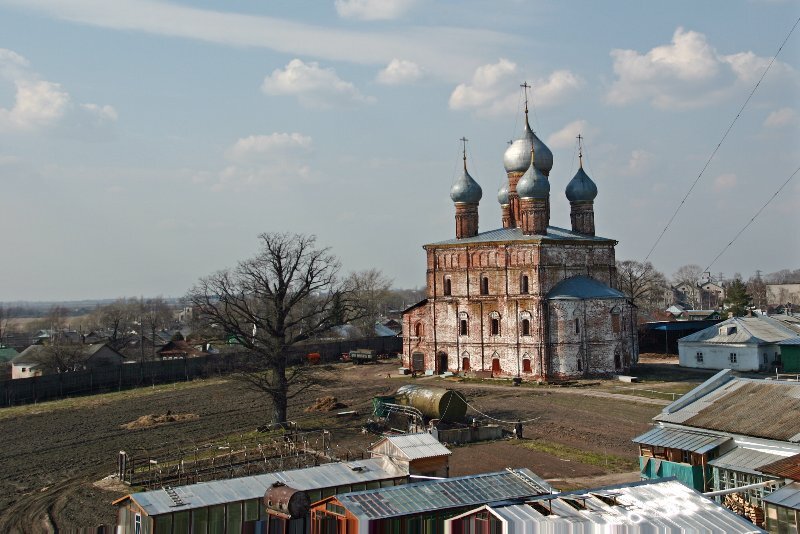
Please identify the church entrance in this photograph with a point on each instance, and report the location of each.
(441, 363)
(496, 366)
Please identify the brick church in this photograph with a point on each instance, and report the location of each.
(528, 299)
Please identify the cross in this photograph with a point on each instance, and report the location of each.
(510, 141)
(580, 150)
(464, 141)
(525, 88)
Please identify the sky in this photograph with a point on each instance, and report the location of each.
(147, 143)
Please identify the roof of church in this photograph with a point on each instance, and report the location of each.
(583, 287)
(515, 234)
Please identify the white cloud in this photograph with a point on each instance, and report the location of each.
(566, 136)
(272, 160)
(313, 85)
(373, 9)
(39, 103)
(400, 71)
(259, 146)
(724, 181)
(686, 73)
(638, 162)
(781, 117)
(493, 89)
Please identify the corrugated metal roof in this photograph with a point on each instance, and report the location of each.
(240, 489)
(792, 341)
(745, 460)
(583, 287)
(786, 467)
(448, 493)
(649, 506)
(417, 446)
(515, 234)
(745, 406)
(684, 440)
(788, 496)
(753, 330)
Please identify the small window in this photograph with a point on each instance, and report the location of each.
(523, 284)
(526, 327)
(462, 329)
(577, 326)
(617, 360)
(484, 285)
(447, 287)
(699, 357)
(615, 326)
(495, 327)
(418, 330)
(580, 365)
(732, 357)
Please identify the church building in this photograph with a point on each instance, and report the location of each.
(526, 300)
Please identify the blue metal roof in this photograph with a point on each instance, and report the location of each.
(501, 235)
(673, 438)
(583, 287)
(444, 494)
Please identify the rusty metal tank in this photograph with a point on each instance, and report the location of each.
(287, 502)
(433, 402)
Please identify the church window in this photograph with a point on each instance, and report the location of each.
(617, 361)
(495, 327)
(484, 285)
(526, 366)
(523, 284)
(577, 326)
(580, 365)
(462, 327)
(526, 327)
(615, 325)
(447, 286)
(418, 330)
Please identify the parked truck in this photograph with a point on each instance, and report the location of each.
(361, 356)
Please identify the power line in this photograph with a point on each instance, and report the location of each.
(752, 219)
(724, 136)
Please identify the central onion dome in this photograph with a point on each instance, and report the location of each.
(518, 156)
(466, 190)
(502, 195)
(581, 188)
(533, 184)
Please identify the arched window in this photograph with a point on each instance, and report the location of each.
(526, 327)
(615, 322)
(484, 285)
(494, 324)
(462, 327)
(419, 329)
(577, 326)
(447, 287)
(526, 365)
(523, 284)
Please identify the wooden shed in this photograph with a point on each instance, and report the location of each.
(420, 454)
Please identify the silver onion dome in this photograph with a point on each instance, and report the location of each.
(517, 157)
(533, 184)
(502, 195)
(581, 187)
(466, 190)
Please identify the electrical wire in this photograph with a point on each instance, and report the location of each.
(501, 420)
(724, 136)
(753, 218)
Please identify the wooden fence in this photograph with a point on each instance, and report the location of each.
(130, 375)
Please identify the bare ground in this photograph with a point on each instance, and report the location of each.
(56, 452)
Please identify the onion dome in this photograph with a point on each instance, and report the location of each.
(581, 187)
(502, 195)
(517, 157)
(533, 184)
(465, 189)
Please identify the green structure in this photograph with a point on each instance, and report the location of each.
(790, 355)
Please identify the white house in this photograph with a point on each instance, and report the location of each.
(740, 343)
(37, 360)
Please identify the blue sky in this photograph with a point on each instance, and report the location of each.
(146, 143)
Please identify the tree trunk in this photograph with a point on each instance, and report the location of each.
(280, 393)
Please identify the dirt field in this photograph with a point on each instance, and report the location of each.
(54, 451)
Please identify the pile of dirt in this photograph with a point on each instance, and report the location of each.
(151, 420)
(325, 404)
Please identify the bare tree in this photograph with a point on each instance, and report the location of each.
(153, 315)
(758, 290)
(687, 278)
(5, 324)
(371, 290)
(59, 357)
(642, 283)
(118, 320)
(288, 292)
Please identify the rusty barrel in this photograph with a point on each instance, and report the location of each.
(433, 402)
(287, 502)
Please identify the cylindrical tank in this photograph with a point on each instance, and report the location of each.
(287, 502)
(433, 402)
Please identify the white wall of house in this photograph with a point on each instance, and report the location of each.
(24, 370)
(748, 357)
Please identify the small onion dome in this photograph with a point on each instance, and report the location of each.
(581, 187)
(533, 184)
(518, 156)
(466, 190)
(502, 195)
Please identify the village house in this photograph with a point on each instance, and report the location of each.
(37, 360)
(719, 436)
(527, 300)
(739, 343)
